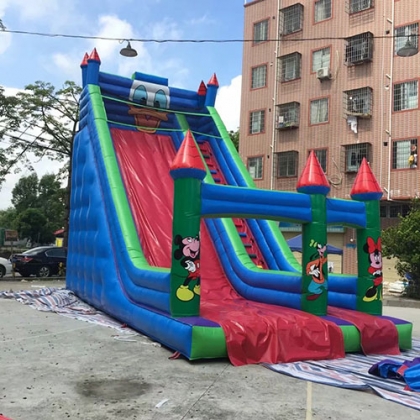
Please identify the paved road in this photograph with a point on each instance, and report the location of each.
(55, 368)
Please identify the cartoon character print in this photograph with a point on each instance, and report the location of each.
(315, 268)
(374, 251)
(189, 254)
(151, 96)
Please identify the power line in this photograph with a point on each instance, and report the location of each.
(188, 41)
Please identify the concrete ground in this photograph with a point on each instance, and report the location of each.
(54, 368)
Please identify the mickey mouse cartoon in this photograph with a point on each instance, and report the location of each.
(189, 254)
(374, 250)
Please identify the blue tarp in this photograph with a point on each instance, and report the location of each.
(295, 244)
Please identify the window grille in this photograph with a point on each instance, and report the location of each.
(406, 95)
(359, 102)
(290, 66)
(355, 6)
(287, 164)
(255, 167)
(287, 115)
(359, 49)
(397, 210)
(354, 154)
(404, 34)
(322, 10)
(402, 150)
(291, 19)
(257, 122)
(260, 31)
(259, 77)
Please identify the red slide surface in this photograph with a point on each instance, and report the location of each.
(255, 332)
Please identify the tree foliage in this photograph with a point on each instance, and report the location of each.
(234, 136)
(38, 208)
(40, 121)
(403, 242)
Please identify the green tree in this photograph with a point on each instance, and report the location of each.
(44, 195)
(403, 242)
(25, 193)
(8, 218)
(234, 136)
(32, 224)
(48, 125)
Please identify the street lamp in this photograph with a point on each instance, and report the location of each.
(128, 51)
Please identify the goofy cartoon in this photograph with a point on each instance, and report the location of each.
(374, 251)
(189, 254)
(315, 268)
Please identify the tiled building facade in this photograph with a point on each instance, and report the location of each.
(324, 75)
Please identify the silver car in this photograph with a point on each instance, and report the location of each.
(5, 267)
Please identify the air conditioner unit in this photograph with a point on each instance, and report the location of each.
(323, 73)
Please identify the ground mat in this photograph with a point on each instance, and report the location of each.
(352, 372)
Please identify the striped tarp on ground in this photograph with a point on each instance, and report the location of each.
(353, 372)
(63, 302)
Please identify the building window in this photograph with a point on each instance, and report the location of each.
(321, 59)
(291, 19)
(359, 49)
(290, 66)
(321, 155)
(404, 154)
(397, 210)
(359, 102)
(382, 211)
(359, 5)
(406, 95)
(319, 111)
(255, 167)
(322, 10)
(256, 122)
(287, 163)
(354, 154)
(287, 115)
(404, 34)
(260, 31)
(259, 77)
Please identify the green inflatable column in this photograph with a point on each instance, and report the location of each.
(188, 171)
(369, 250)
(314, 239)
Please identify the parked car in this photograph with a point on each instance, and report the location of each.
(5, 267)
(43, 261)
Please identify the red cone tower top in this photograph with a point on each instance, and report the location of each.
(84, 62)
(202, 90)
(365, 186)
(188, 162)
(213, 81)
(94, 56)
(313, 180)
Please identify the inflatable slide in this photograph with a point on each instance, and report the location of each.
(169, 234)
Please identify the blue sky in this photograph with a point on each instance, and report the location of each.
(27, 58)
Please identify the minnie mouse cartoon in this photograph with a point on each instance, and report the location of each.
(189, 254)
(374, 250)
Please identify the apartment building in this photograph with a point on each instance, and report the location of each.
(328, 76)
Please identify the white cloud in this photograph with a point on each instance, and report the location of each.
(5, 41)
(34, 9)
(199, 21)
(111, 26)
(228, 103)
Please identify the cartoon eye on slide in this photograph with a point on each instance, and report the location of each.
(161, 100)
(140, 95)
